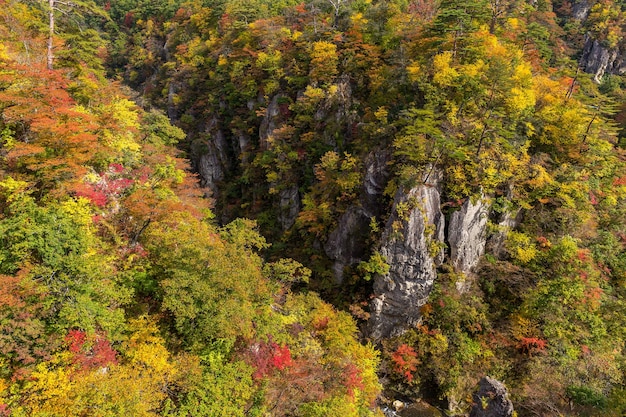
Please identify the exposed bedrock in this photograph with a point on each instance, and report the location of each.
(409, 244)
(467, 234)
(348, 244)
(598, 59)
(491, 399)
(289, 206)
(211, 156)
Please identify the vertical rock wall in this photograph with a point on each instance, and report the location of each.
(348, 243)
(409, 253)
(467, 234)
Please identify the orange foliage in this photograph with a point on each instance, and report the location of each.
(405, 361)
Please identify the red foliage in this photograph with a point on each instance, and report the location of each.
(543, 242)
(281, 357)
(619, 181)
(267, 357)
(76, 340)
(129, 19)
(584, 349)
(301, 8)
(583, 255)
(592, 297)
(320, 324)
(531, 345)
(4, 410)
(98, 198)
(116, 168)
(111, 186)
(90, 354)
(353, 378)
(405, 361)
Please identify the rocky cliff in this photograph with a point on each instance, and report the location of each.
(348, 243)
(598, 59)
(413, 245)
(409, 244)
(491, 399)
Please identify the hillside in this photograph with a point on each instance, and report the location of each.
(181, 179)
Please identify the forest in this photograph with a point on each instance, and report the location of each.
(312, 208)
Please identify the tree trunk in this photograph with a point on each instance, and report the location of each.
(50, 55)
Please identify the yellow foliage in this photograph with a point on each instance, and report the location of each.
(539, 177)
(513, 23)
(124, 112)
(324, 61)
(444, 74)
(269, 61)
(414, 71)
(50, 390)
(548, 92)
(358, 19)
(491, 43)
(521, 247)
(474, 69)
(314, 94)
(522, 327)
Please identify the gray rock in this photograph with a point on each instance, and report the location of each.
(467, 235)
(400, 293)
(289, 207)
(491, 399)
(212, 158)
(508, 220)
(375, 178)
(269, 122)
(598, 59)
(210, 169)
(580, 9)
(347, 244)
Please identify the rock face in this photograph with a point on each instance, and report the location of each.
(270, 121)
(400, 293)
(599, 60)
(347, 243)
(467, 234)
(212, 159)
(289, 206)
(491, 400)
(580, 9)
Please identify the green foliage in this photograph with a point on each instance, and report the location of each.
(226, 389)
(287, 271)
(333, 101)
(376, 265)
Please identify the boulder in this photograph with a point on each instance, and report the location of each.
(491, 399)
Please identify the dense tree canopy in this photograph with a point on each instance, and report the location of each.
(138, 137)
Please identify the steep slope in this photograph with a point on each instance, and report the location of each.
(118, 293)
(446, 170)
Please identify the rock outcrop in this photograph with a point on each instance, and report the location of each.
(415, 223)
(289, 207)
(491, 399)
(467, 234)
(212, 158)
(580, 9)
(347, 244)
(599, 60)
(270, 121)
